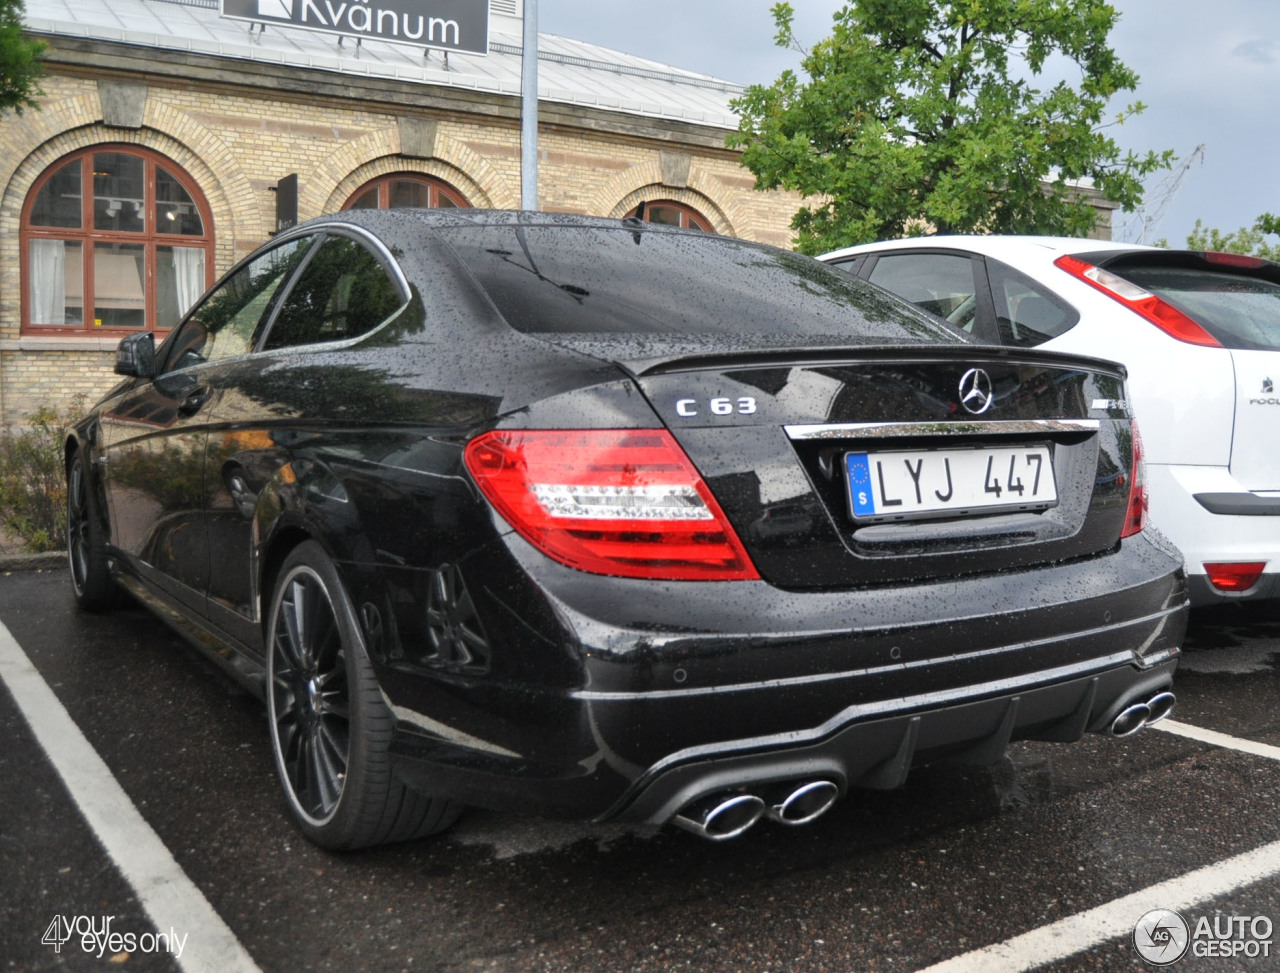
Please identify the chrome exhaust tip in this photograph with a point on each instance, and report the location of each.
(721, 816)
(806, 803)
(1131, 720)
(1161, 705)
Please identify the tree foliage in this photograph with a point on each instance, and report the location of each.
(926, 113)
(20, 67)
(1251, 240)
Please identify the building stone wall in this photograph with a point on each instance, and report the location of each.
(65, 380)
(238, 134)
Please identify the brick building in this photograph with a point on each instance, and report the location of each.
(156, 158)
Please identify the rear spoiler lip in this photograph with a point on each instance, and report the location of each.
(1118, 260)
(826, 355)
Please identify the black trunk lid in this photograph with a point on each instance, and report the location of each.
(779, 437)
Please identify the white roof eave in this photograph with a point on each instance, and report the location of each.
(569, 71)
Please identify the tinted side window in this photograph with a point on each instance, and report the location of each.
(850, 265)
(1026, 314)
(939, 282)
(226, 321)
(343, 292)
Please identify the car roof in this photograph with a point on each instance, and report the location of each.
(407, 225)
(994, 245)
(467, 216)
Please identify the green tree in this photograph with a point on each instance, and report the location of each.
(1251, 240)
(20, 67)
(924, 113)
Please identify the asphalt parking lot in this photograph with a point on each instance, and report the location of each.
(1045, 860)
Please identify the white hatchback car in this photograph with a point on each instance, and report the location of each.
(1200, 336)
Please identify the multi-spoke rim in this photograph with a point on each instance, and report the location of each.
(78, 525)
(453, 624)
(309, 699)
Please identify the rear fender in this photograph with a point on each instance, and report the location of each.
(303, 500)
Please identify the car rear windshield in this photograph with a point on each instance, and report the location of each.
(1241, 312)
(631, 280)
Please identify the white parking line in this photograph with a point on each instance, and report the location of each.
(1116, 919)
(1218, 739)
(166, 893)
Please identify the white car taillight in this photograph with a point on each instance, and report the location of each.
(1159, 312)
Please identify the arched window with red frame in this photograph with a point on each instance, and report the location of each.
(114, 237)
(671, 213)
(401, 190)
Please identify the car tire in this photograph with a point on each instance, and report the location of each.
(330, 728)
(91, 581)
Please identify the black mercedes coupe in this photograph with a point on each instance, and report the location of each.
(601, 519)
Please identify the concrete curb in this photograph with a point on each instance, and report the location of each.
(48, 561)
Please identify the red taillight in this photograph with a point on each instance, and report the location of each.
(624, 502)
(1235, 577)
(1161, 313)
(1135, 515)
(1233, 260)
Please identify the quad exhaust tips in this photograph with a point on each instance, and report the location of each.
(1134, 717)
(1130, 720)
(804, 804)
(728, 814)
(1161, 705)
(719, 817)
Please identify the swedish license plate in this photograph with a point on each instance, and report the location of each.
(917, 484)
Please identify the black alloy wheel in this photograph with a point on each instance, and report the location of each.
(91, 580)
(310, 695)
(330, 729)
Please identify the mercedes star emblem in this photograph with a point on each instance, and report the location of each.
(975, 391)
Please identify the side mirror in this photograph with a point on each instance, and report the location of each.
(136, 355)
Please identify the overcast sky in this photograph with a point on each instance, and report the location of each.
(1210, 74)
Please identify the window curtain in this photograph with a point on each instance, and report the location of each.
(188, 273)
(47, 272)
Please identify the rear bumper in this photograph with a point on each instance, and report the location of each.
(1213, 519)
(854, 750)
(677, 690)
(1202, 593)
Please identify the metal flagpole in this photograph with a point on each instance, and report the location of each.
(529, 109)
